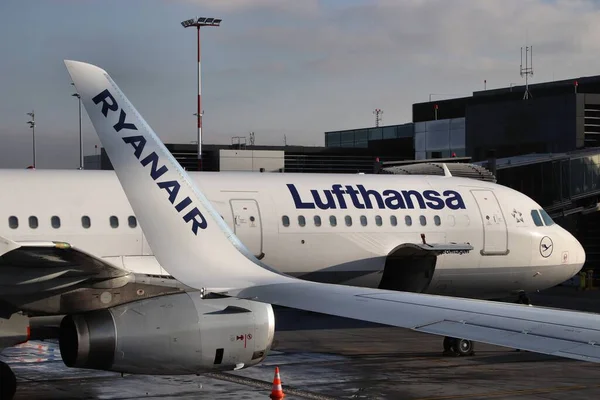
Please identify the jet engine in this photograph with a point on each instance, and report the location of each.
(169, 335)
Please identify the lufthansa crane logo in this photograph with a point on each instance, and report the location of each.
(546, 247)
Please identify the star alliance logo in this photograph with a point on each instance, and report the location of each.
(517, 215)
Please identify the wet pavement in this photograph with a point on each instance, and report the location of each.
(332, 358)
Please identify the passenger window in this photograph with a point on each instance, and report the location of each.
(408, 220)
(301, 220)
(363, 220)
(333, 220)
(437, 220)
(114, 222)
(348, 220)
(285, 220)
(423, 220)
(55, 222)
(547, 219)
(33, 222)
(13, 222)
(536, 218)
(378, 220)
(317, 220)
(393, 220)
(86, 222)
(132, 221)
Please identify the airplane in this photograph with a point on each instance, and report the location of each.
(427, 234)
(218, 314)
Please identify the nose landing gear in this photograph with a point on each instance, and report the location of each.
(458, 347)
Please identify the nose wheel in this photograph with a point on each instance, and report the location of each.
(458, 347)
(8, 382)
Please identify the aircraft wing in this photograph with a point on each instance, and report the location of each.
(543, 330)
(190, 240)
(35, 268)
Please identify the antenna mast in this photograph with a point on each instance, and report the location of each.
(528, 69)
(377, 113)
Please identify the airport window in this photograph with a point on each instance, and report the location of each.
(285, 220)
(33, 222)
(86, 222)
(378, 220)
(13, 222)
(333, 220)
(408, 220)
(423, 220)
(547, 219)
(437, 220)
(114, 222)
(348, 220)
(132, 221)
(363, 220)
(55, 222)
(536, 218)
(301, 220)
(317, 220)
(393, 220)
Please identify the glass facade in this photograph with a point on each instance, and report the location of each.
(440, 138)
(554, 182)
(361, 137)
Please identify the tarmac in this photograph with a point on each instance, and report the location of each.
(322, 357)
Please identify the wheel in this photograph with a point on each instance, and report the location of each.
(8, 382)
(463, 347)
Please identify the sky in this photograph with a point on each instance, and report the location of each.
(293, 68)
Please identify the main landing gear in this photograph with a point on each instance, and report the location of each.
(458, 347)
(8, 382)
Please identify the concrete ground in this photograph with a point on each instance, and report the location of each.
(322, 357)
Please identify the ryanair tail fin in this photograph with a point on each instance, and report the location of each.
(186, 234)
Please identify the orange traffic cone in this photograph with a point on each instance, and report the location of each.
(277, 391)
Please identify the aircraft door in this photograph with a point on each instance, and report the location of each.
(495, 232)
(247, 225)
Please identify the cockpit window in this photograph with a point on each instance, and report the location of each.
(547, 219)
(536, 218)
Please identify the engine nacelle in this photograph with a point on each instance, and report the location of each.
(169, 335)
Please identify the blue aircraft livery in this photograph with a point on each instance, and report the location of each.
(342, 196)
(138, 143)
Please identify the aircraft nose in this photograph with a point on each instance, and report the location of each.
(579, 253)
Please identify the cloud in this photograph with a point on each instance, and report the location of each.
(299, 67)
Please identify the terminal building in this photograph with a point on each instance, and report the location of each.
(546, 146)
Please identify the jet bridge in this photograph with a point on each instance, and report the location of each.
(430, 167)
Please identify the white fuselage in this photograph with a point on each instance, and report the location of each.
(288, 221)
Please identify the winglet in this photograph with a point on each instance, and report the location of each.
(201, 250)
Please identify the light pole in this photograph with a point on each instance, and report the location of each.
(198, 22)
(80, 137)
(32, 126)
